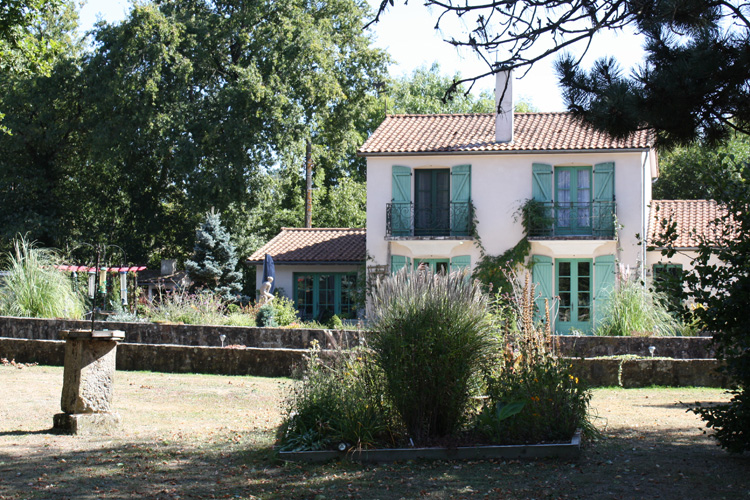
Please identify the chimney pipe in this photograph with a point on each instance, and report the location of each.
(504, 106)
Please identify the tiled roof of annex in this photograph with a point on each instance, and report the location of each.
(692, 220)
(314, 246)
(475, 133)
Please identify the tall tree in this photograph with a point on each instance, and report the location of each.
(192, 104)
(38, 156)
(694, 82)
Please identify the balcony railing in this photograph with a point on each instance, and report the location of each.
(551, 220)
(404, 219)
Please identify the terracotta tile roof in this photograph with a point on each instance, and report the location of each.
(692, 218)
(475, 133)
(314, 246)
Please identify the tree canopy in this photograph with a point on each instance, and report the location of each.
(694, 82)
(183, 106)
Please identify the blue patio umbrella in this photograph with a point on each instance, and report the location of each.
(269, 271)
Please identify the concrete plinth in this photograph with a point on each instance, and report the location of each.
(88, 381)
(87, 423)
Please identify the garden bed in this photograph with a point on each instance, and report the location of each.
(503, 452)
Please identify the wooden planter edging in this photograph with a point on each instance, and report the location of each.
(570, 450)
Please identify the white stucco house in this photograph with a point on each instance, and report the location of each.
(429, 176)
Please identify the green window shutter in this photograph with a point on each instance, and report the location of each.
(401, 201)
(604, 199)
(541, 182)
(541, 275)
(461, 184)
(399, 262)
(401, 186)
(604, 285)
(461, 198)
(604, 181)
(460, 262)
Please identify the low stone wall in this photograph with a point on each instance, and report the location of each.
(168, 358)
(192, 335)
(631, 373)
(666, 347)
(282, 363)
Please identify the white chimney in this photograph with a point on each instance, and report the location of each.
(504, 106)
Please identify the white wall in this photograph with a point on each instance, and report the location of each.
(284, 274)
(499, 186)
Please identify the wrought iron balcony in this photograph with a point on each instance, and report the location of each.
(404, 219)
(560, 219)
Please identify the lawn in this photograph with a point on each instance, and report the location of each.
(203, 436)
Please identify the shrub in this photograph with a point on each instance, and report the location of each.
(285, 313)
(335, 323)
(430, 337)
(35, 288)
(532, 395)
(267, 316)
(636, 309)
(338, 404)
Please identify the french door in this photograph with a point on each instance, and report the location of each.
(574, 287)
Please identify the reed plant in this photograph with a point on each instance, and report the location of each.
(33, 286)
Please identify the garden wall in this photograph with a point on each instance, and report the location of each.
(198, 335)
(168, 358)
(666, 347)
(192, 335)
(274, 362)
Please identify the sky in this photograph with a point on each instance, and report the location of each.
(407, 33)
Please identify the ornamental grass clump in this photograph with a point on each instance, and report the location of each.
(635, 309)
(203, 308)
(430, 337)
(34, 288)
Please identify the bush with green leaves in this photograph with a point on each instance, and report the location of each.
(430, 337)
(532, 395)
(34, 288)
(634, 308)
(339, 404)
(266, 316)
(285, 312)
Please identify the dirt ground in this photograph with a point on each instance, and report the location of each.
(200, 436)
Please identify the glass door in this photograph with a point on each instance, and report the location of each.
(432, 199)
(574, 280)
(573, 200)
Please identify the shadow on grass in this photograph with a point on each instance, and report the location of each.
(671, 465)
(51, 431)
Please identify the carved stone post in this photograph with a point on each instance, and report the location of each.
(88, 382)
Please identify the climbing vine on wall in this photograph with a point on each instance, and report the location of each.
(493, 270)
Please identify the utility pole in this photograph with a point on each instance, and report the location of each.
(308, 178)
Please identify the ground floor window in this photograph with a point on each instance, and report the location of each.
(318, 296)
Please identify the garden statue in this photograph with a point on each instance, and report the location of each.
(265, 292)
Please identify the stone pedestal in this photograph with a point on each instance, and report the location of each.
(88, 382)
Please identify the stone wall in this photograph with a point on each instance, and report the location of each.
(168, 358)
(666, 347)
(284, 338)
(282, 363)
(192, 335)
